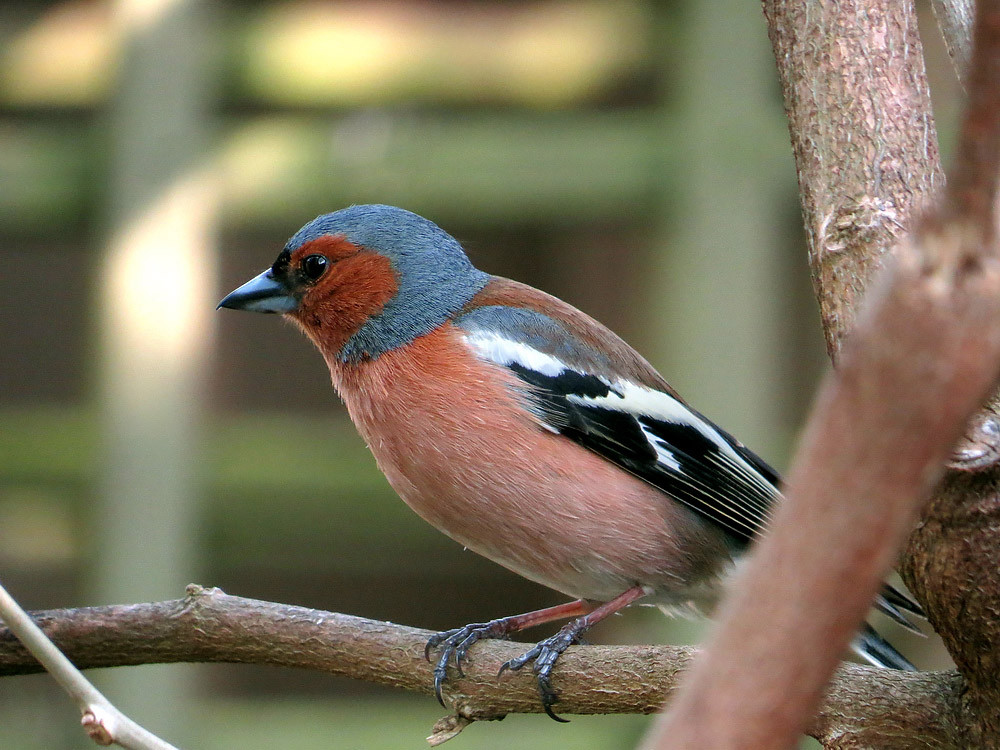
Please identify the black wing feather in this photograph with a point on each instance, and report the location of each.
(698, 471)
(693, 468)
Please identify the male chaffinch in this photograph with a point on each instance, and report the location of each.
(524, 430)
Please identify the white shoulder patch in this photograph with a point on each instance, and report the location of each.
(504, 351)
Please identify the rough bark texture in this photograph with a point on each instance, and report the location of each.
(879, 706)
(859, 115)
(951, 565)
(922, 354)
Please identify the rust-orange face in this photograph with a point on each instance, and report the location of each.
(328, 285)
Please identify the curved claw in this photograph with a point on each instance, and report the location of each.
(517, 663)
(546, 660)
(552, 715)
(449, 637)
(433, 642)
(440, 674)
(544, 655)
(456, 644)
(549, 698)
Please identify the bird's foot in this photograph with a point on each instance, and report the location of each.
(544, 655)
(455, 643)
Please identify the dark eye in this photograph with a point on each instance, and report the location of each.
(313, 266)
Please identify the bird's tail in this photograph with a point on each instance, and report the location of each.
(875, 649)
(896, 605)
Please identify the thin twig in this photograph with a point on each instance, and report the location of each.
(104, 723)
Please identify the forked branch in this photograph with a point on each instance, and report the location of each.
(922, 355)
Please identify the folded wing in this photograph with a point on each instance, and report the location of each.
(633, 419)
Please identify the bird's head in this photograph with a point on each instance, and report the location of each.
(364, 280)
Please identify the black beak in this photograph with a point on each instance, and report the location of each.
(263, 293)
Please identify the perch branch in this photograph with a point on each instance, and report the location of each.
(210, 626)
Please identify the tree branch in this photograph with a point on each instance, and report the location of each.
(859, 116)
(890, 709)
(954, 18)
(101, 720)
(923, 354)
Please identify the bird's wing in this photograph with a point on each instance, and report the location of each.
(583, 382)
(573, 389)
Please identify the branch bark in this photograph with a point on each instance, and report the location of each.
(954, 18)
(884, 708)
(101, 720)
(922, 355)
(859, 116)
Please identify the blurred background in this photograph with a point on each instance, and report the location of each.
(629, 156)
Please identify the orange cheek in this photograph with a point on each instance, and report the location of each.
(355, 289)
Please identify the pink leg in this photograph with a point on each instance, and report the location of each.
(545, 653)
(541, 616)
(609, 608)
(458, 641)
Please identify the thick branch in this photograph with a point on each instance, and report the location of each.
(859, 116)
(921, 357)
(886, 708)
(211, 626)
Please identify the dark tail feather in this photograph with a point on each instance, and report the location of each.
(890, 611)
(874, 649)
(890, 602)
(898, 599)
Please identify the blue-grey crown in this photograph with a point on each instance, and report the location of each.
(435, 277)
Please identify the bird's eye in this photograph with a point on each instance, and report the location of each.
(313, 266)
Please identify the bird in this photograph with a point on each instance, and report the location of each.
(526, 431)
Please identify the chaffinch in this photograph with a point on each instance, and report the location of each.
(524, 430)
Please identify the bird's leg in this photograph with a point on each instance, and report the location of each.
(458, 641)
(545, 653)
